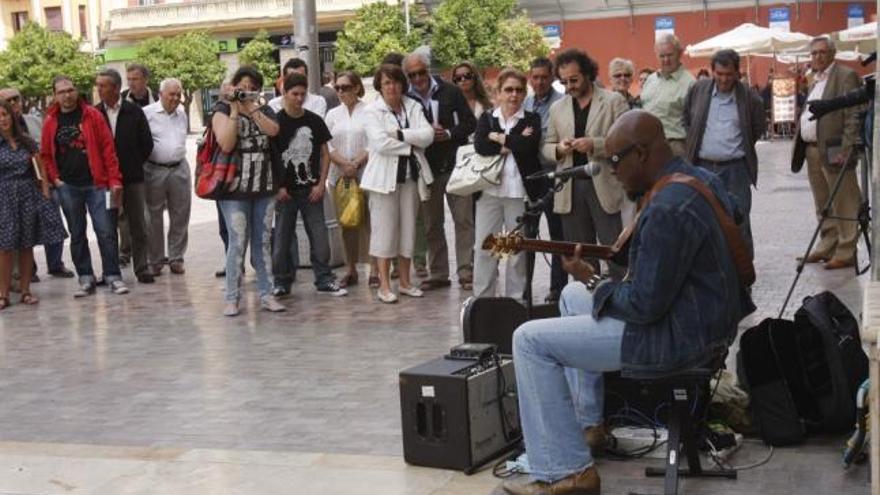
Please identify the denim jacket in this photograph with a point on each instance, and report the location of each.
(681, 299)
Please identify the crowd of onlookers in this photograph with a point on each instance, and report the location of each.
(121, 166)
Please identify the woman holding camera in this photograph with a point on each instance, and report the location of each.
(244, 127)
(515, 134)
(397, 173)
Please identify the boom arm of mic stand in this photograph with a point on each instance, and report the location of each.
(535, 209)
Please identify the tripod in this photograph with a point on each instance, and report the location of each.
(863, 216)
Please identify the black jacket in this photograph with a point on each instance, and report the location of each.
(456, 116)
(524, 148)
(133, 139)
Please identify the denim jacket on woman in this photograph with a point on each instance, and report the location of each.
(681, 299)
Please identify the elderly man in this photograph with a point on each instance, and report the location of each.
(665, 90)
(168, 178)
(33, 126)
(77, 148)
(724, 119)
(543, 96)
(680, 303)
(827, 145)
(447, 110)
(133, 144)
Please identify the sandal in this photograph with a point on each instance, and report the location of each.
(29, 299)
(4, 302)
(348, 279)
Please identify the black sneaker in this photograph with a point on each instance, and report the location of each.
(280, 291)
(62, 272)
(333, 290)
(146, 278)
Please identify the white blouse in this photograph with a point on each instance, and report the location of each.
(511, 182)
(349, 134)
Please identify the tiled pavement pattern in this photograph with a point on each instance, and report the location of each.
(156, 393)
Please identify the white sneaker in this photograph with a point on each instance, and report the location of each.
(412, 291)
(269, 303)
(118, 287)
(388, 298)
(231, 309)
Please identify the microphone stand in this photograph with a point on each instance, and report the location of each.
(533, 212)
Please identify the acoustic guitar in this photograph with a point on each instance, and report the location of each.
(505, 244)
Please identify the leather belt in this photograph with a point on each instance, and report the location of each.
(166, 165)
(722, 163)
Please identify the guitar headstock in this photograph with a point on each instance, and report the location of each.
(503, 244)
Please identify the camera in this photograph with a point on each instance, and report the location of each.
(242, 95)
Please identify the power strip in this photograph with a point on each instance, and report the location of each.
(633, 439)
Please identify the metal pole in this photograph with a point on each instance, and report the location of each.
(305, 39)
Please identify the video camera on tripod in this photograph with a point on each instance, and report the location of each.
(856, 97)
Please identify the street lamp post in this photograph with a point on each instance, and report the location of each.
(305, 38)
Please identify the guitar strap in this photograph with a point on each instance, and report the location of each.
(735, 242)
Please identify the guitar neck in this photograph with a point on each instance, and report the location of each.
(592, 251)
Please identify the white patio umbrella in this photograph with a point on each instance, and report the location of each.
(749, 39)
(862, 39)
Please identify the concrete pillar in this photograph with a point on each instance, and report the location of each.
(232, 63)
(37, 12)
(94, 19)
(66, 18)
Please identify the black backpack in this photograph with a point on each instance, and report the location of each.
(802, 375)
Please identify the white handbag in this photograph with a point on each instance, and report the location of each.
(474, 172)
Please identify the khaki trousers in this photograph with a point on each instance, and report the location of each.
(838, 238)
(462, 209)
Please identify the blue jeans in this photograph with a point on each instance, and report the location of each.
(542, 350)
(248, 220)
(285, 250)
(738, 182)
(75, 201)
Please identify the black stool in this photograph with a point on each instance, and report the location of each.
(683, 388)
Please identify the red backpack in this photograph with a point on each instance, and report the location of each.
(215, 170)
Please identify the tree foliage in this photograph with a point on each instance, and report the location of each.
(190, 57)
(518, 42)
(490, 33)
(34, 56)
(374, 31)
(259, 53)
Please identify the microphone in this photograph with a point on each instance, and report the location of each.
(587, 171)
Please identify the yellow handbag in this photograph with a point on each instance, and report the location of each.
(349, 203)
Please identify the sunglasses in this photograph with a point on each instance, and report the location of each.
(418, 73)
(574, 81)
(463, 77)
(618, 157)
(343, 88)
(621, 76)
(513, 89)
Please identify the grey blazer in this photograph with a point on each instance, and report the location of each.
(752, 119)
(605, 108)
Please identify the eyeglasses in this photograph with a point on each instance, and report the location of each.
(621, 76)
(513, 89)
(343, 88)
(618, 157)
(463, 77)
(418, 73)
(572, 81)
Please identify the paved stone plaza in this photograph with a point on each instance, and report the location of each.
(156, 393)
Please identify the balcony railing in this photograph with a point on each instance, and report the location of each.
(216, 11)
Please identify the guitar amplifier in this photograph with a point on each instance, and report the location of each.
(451, 415)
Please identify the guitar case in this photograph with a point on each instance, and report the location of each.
(492, 320)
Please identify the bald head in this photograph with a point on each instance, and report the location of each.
(638, 150)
